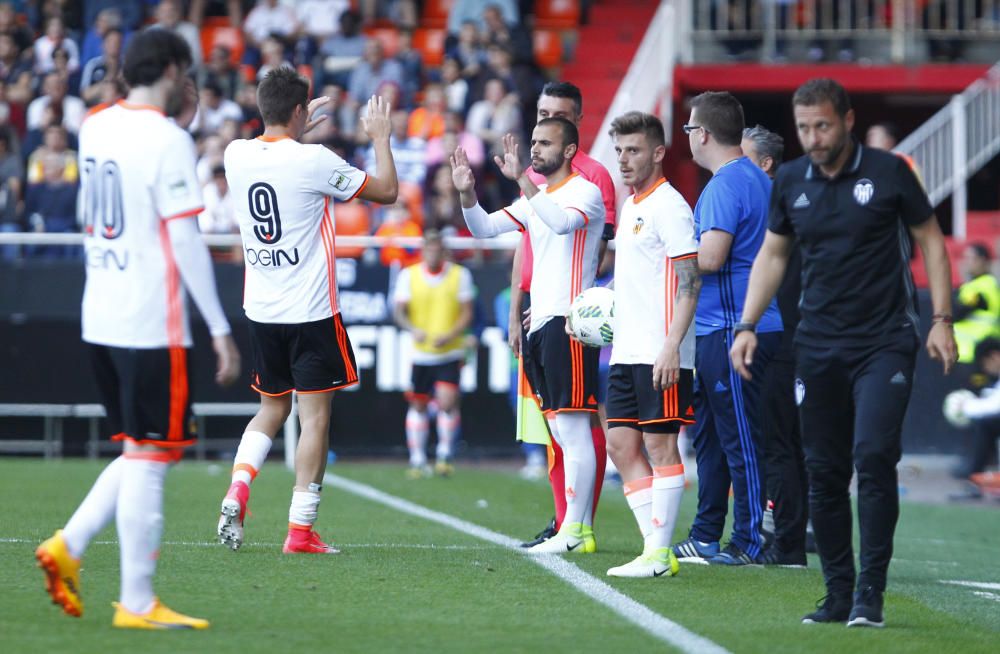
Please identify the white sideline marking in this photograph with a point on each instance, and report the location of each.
(215, 543)
(971, 584)
(985, 595)
(640, 615)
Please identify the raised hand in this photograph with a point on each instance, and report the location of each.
(376, 122)
(461, 171)
(314, 106)
(510, 164)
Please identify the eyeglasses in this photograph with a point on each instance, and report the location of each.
(690, 128)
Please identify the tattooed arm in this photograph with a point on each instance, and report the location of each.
(666, 370)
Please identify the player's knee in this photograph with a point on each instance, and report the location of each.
(875, 459)
(623, 450)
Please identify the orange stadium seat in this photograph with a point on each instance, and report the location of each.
(351, 219)
(225, 35)
(430, 44)
(387, 36)
(548, 48)
(436, 13)
(557, 14)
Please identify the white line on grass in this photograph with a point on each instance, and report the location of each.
(215, 543)
(986, 595)
(971, 584)
(642, 616)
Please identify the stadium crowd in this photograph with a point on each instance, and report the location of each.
(60, 60)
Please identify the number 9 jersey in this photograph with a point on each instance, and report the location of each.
(282, 190)
(137, 172)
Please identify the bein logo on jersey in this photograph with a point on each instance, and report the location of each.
(264, 210)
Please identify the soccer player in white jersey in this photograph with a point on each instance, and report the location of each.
(139, 207)
(298, 339)
(650, 385)
(564, 218)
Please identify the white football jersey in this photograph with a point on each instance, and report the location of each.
(654, 229)
(137, 171)
(564, 264)
(282, 190)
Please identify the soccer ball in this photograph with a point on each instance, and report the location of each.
(953, 407)
(591, 317)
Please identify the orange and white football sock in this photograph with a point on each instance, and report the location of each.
(250, 456)
(417, 427)
(448, 424)
(639, 495)
(96, 510)
(573, 433)
(304, 509)
(140, 526)
(668, 489)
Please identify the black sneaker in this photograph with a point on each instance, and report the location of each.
(732, 555)
(867, 610)
(543, 535)
(774, 556)
(832, 608)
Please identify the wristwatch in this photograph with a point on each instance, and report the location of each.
(744, 327)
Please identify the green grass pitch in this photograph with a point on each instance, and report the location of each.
(406, 584)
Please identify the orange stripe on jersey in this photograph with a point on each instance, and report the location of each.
(96, 109)
(175, 328)
(636, 199)
(668, 297)
(552, 189)
(178, 393)
(360, 188)
(327, 232)
(272, 139)
(184, 214)
(586, 219)
(520, 225)
(139, 107)
(692, 255)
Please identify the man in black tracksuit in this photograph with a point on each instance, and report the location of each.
(850, 209)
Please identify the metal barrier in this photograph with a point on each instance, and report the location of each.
(53, 415)
(956, 142)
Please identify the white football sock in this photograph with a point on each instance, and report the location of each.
(639, 495)
(140, 526)
(448, 424)
(96, 510)
(417, 427)
(250, 456)
(304, 509)
(668, 489)
(573, 430)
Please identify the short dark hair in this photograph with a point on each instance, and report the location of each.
(981, 249)
(570, 134)
(721, 114)
(635, 122)
(820, 90)
(150, 53)
(281, 90)
(565, 90)
(768, 143)
(986, 347)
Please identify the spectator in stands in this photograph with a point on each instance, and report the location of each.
(399, 12)
(407, 151)
(54, 37)
(340, 53)
(319, 20)
(214, 109)
(55, 92)
(9, 25)
(498, 113)
(211, 149)
(467, 50)
(169, 16)
(882, 136)
(443, 211)
(55, 144)
(219, 216)
(252, 125)
(102, 67)
(130, 13)
(412, 63)
(499, 32)
(93, 40)
(60, 66)
(456, 89)
(427, 120)
(11, 173)
(220, 69)
(269, 18)
(339, 127)
(272, 55)
(463, 11)
(441, 148)
(373, 70)
(521, 80)
(51, 205)
(399, 222)
(15, 72)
